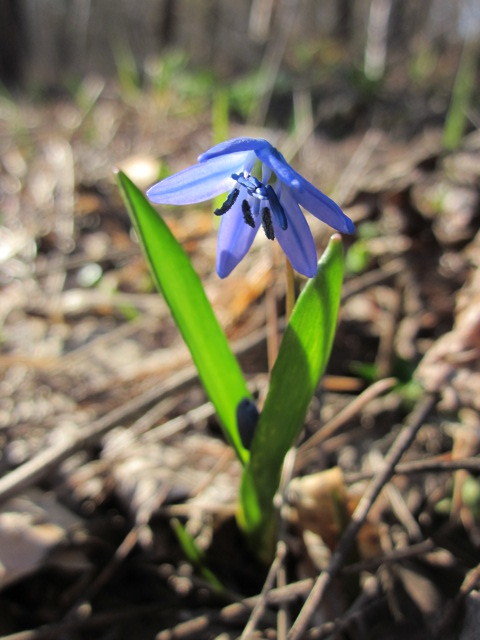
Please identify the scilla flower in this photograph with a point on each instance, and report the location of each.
(264, 191)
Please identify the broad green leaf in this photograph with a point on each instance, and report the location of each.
(175, 277)
(302, 358)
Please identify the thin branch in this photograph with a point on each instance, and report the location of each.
(261, 601)
(412, 551)
(431, 465)
(343, 416)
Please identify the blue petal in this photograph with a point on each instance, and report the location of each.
(232, 146)
(325, 209)
(199, 182)
(296, 241)
(320, 205)
(234, 237)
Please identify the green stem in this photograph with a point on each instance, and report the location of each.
(290, 289)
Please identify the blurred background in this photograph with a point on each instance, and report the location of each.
(390, 62)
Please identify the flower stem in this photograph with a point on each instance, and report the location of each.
(272, 325)
(290, 289)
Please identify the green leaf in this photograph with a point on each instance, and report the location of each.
(175, 277)
(196, 556)
(301, 360)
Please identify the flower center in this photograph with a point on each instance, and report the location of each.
(252, 184)
(261, 192)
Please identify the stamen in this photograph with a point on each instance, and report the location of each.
(277, 208)
(247, 214)
(267, 223)
(228, 204)
(252, 184)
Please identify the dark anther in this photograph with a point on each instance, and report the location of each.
(267, 223)
(228, 204)
(247, 214)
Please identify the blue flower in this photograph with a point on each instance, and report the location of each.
(264, 191)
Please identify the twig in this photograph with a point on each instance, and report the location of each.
(369, 279)
(402, 512)
(423, 466)
(412, 551)
(261, 601)
(401, 444)
(121, 553)
(367, 603)
(283, 615)
(346, 414)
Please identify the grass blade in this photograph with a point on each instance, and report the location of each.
(195, 555)
(301, 360)
(175, 277)
(457, 116)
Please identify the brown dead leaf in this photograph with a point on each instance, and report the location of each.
(31, 527)
(452, 365)
(321, 503)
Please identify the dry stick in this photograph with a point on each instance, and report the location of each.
(261, 601)
(412, 551)
(283, 616)
(370, 599)
(360, 283)
(179, 423)
(401, 444)
(76, 612)
(346, 414)
(423, 466)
